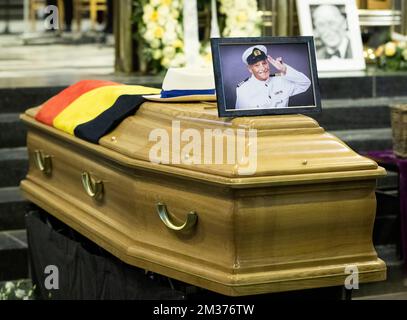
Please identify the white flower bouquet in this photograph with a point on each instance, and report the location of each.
(160, 32)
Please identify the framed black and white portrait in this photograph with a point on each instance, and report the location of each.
(335, 27)
(265, 75)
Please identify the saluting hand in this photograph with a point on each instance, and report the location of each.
(278, 64)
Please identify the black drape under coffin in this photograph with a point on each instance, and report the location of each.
(85, 271)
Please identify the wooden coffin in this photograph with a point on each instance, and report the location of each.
(297, 222)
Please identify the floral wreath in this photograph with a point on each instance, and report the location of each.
(160, 31)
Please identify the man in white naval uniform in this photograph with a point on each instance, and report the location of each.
(264, 91)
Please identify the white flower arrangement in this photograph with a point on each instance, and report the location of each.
(162, 32)
(160, 28)
(243, 18)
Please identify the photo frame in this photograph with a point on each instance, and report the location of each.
(265, 76)
(336, 30)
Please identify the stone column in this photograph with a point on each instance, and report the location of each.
(282, 18)
(123, 33)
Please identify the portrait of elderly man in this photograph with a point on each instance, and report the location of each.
(330, 29)
(263, 90)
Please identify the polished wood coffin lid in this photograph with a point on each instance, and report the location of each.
(291, 149)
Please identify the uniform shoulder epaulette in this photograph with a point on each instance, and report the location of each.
(240, 83)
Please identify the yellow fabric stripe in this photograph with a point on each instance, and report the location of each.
(91, 104)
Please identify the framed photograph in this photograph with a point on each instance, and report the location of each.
(267, 75)
(335, 27)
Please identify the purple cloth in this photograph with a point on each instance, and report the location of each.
(389, 158)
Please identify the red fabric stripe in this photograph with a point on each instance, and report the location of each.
(59, 102)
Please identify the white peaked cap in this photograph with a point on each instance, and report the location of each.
(189, 78)
(249, 51)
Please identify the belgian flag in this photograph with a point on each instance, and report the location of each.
(90, 109)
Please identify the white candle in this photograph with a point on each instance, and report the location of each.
(191, 35)
(214, 21)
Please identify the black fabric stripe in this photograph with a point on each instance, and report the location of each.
(124, 106)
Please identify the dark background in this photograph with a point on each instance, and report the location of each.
(234, 71)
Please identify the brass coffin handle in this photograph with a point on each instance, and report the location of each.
(43, 162)
(192, 219)
(93, 188)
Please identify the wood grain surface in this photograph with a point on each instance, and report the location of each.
(288, 227)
